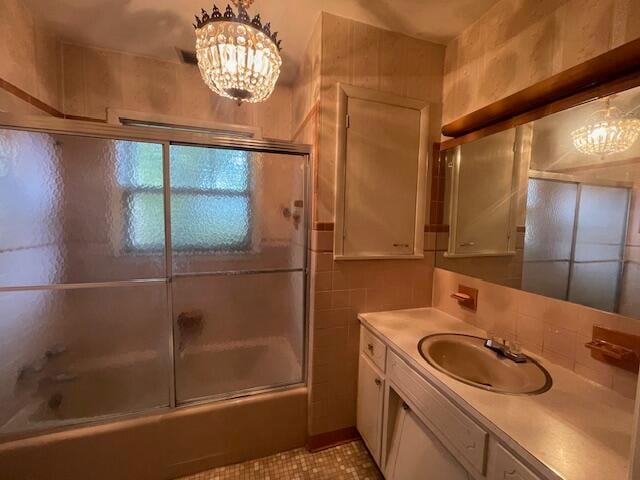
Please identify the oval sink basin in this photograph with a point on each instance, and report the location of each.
(465, 358)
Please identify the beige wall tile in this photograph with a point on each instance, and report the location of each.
(322, 281)
(602, 377)
(96, 80)
(587, 31)
(31, 54)
(530, 332)
(559, 359)
(632, 30)
(340, 291)
(517, 43)
(321, 241)
(625, 383)
(321, 300)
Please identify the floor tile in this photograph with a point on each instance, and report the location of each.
(350, 461)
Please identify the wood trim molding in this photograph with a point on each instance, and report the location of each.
(323, 226)
(614, 86)
(331, 439)
(616, 63)
(30, 99)
(82, 118)
(315, 109)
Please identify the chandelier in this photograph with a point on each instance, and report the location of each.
(239, 58)
(607, 131)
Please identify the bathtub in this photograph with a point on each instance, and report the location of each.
(233, 368)
(97, 389)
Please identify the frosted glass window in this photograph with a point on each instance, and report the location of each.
(213, 182)
(210, 199)
(223, 221)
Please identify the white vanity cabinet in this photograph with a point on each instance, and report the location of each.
(371, 388)
(416, 452)
(370, 403)
(414, 431)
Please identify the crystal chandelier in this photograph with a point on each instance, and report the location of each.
(607, 131)
(239, 58)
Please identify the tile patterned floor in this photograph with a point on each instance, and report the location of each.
(350, 461)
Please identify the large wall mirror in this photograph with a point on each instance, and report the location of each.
(551, 207)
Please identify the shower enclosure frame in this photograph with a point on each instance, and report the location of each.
(567, 178)
(167, 137)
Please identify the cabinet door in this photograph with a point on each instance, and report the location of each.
(380, 178)
(507, 467)
(370, 398)
(417, 454)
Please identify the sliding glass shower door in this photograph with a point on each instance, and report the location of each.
(84, 326)
(599, 246)
(574, 241)
(238, 258)
(138, 272)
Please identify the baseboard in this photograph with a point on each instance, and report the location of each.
(331, 439)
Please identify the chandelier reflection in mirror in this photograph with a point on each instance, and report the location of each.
(606, 132)
(239, 58)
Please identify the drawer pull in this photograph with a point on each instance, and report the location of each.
(370, 347)
(378, 381)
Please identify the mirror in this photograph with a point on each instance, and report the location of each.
(568, 224)
(483, 197)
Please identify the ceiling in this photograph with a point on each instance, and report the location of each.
(156, 27)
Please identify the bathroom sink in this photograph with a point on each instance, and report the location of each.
(465, 358)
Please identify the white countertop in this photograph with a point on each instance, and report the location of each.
(577, 430)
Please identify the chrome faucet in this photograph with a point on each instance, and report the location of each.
(504, 349)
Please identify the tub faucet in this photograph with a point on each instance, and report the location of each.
(504, 349)
(39, 365)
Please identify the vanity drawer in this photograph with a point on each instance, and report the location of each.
(459, 431)
(373, 348)
(506, 467)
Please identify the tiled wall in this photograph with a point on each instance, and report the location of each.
(95, 80)
(30, 54)
(555, 329)
(517, 43)
(365, 56)
(339, 291)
